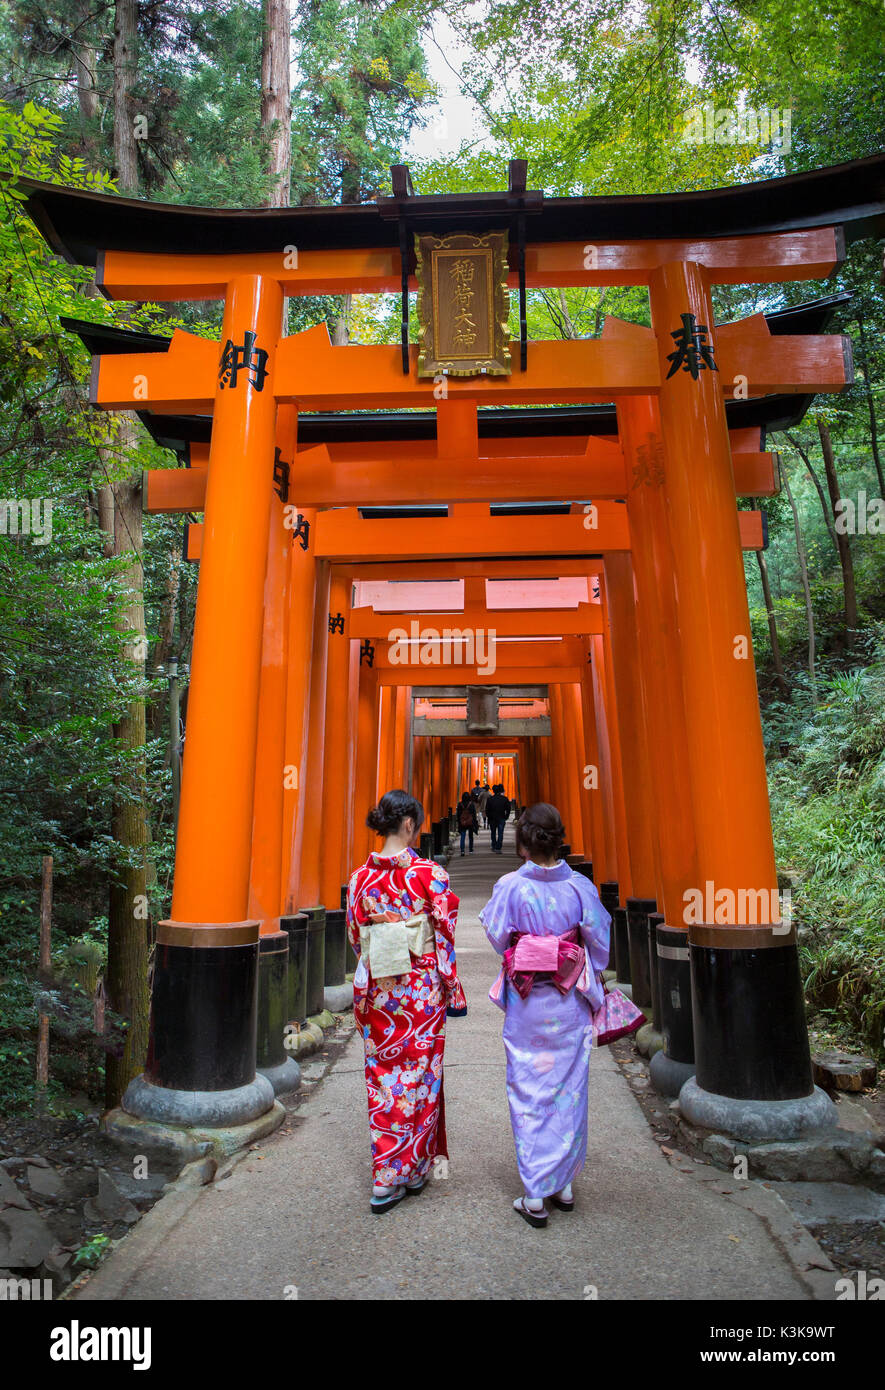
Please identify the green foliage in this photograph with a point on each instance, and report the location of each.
(362, 86)
(63, 684)
(828, 815)
(92, 1251)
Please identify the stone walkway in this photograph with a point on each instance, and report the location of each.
(294, 1214)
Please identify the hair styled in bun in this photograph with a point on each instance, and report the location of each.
(540, 831)
(393, 808)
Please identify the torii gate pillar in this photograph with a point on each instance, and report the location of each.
(200, 1068)
(751, 1042)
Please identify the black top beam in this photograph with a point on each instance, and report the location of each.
(80, 225)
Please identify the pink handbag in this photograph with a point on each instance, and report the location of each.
(616, 1016)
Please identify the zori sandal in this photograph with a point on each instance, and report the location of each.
(382, 1202)
(538, 1219)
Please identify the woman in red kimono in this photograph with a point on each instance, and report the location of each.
(401, 923)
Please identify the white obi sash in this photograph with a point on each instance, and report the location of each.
(387, 947)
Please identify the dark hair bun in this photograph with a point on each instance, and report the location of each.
(393, 808)
(540, 829)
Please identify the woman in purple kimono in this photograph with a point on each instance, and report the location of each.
(550, 927)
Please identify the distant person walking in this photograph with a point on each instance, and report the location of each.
(467, 821)
(550, 927)
(401, 918)
(497, 811)
(482, 801)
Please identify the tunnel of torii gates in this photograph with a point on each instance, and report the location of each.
(581, 505)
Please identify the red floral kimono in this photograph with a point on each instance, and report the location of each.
(403, 1017)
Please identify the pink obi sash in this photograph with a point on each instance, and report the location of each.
(555, 960)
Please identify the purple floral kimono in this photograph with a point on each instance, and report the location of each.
(547, 1035)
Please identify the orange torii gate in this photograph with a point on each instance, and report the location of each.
(673, 576)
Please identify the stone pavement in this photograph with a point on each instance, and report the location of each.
(294, 1214)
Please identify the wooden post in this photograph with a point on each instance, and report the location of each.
(267, 805)
(601, 831)
(726, 758)
(204, 999)
(559, 784)
(337, 772)
(309, 837)
(45, 967)
(175, 739)
(751, 1036)
(214, 846)
(574, 768)
(660, 653)
(610, 765)
(620, 618)
(302, 599)
(366, 777)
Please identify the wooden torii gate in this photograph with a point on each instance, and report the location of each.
(672, 677)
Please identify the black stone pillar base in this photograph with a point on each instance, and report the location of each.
(295, 928)
(758, 1121)
(199, 1109)
(668, 1077)
(619, 948)
(316, 959)
(751, 1041)
(674, 1064)
(201, 1061)
(204, 1007)
(609, 897)
(638, 910)
(285, 1076)
(273, 1062)
(609, 894)
(335, 954)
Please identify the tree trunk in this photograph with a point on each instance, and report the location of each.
(106, 515)
(871, 405)
(84, 69)
(818, 485)
(842, 541)
(803, 570)
(351, 179)
(166, 631)
(341, 331)
(276, 104)
(776, 659)
(128, 924)
(125, 73)
(127, 969)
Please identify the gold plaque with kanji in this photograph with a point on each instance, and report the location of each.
(463, 305)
